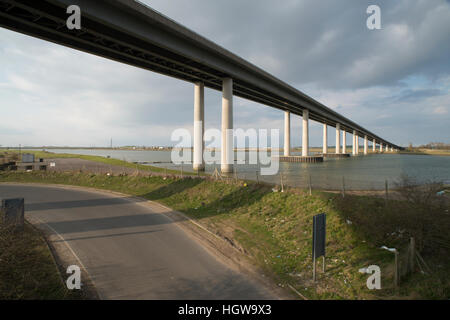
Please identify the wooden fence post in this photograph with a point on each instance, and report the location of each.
(386, 190)
(310, 186)
(396, 277)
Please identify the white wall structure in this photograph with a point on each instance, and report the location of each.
(305, 136)
(199, 126)
(325, 139)
(287, 133)
(227, 153)
(338, 138)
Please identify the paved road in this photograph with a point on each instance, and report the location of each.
(129, 250)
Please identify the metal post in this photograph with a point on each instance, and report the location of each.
(314, 268)
(13, 213)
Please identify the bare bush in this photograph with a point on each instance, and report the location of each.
(426, 214)
(425, 194)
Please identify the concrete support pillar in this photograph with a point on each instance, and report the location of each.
(366, 145)
(381, 146)
(344, 141)
(357, 144)
(287, 133)
(305, 136)
(338, 138)
(325, 139)
(227, 152)
(392, 149)
(374, 144)
(387, 149)
(199, 126)
(354, 143)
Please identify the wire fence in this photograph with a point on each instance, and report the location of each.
(301, 179)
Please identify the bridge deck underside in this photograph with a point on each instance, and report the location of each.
(47, 20)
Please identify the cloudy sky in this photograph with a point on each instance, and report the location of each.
(394, 81)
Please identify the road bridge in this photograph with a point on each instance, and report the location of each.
(130, 32)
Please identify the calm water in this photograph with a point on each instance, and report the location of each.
(360, 173)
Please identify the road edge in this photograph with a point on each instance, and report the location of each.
(219, 247)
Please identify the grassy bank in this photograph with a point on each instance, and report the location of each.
(27, 267)
(433, 152)
(275, 229)
(109, 161)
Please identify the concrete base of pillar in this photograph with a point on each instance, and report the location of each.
(336, 155)
(226, 168)
(308, 159)
(198, 167)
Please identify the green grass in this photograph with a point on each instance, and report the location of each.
(27, 268)
(275, 229)
(422, 151)
(109, 161)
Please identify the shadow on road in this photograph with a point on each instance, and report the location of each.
(80, 203)
(107, 236)
(106, 223)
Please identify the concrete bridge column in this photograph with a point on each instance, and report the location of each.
(199, 126)
(357, 144)
(227, 152)
(374, 144)
(354, 143)
(387, 149)
(287, 133)
(366, 145)
(305, 136)
(338, 138)
(344, 141)
(381, 146)
(325, 139)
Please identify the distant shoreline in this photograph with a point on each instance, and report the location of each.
(431, 152)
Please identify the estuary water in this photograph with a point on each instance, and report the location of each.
(356, 173)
